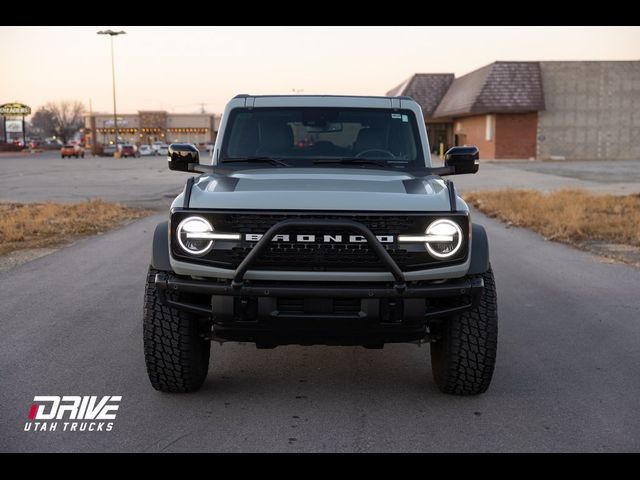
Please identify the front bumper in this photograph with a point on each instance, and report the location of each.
(165, 282)
(255, 312)
(273, 313)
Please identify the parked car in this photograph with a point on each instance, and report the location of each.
(155, 146)
(128, 150)
(108, 150)
(145, 150)
(71, 150)
(163, 149)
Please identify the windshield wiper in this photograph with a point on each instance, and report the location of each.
(351, 161)
(272, 160)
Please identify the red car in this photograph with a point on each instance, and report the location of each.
(72, 150)
(129, 150)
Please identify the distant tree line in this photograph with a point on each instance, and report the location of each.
(61, 119)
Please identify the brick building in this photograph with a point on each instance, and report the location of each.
(428, 89)
(145, 127)
(563, 110)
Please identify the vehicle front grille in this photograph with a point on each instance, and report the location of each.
(319, 256)
(379, 224)
(316, 254)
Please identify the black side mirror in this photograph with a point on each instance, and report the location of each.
(182, 156)
(462, 159)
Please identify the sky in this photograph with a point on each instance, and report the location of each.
(180, 68)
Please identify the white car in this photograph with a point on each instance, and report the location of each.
(155, 146)
(163, 149)
(145, 150)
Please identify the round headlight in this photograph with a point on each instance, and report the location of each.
(192, 235)
(446, 238)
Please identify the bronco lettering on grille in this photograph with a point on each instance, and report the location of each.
(305, 238)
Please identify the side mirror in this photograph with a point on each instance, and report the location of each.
(182, 156)
(462, 159)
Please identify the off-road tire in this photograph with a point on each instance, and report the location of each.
(175, 352)
(464, 355)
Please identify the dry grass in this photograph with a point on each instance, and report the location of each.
(571, 216)
(37, 225)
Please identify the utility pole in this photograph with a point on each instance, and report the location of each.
(112, 34)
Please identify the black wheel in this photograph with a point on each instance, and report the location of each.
(61, 156)
(464, 353)
(82, 155)
(175, 352)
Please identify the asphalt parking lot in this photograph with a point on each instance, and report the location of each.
(615, 177)
(146, 181)
(566, 377)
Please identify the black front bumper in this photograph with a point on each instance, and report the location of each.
(255, 312)
(276, 313)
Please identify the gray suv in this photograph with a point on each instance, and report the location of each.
(320, 220)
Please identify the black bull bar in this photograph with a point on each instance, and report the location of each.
(471, 287)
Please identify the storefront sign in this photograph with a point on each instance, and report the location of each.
(121, 121)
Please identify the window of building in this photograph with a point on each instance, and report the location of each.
(489, 127)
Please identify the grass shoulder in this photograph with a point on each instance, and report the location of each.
(26, 226)
(608, 225)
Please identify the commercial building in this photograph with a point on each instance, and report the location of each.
(146, 127)
(428, 89)
(544, 110)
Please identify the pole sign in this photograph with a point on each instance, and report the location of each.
(14, 126)
(14, 109)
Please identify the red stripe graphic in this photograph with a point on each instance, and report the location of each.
(32, 411)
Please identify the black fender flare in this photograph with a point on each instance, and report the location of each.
(479, 250)
(160, 251)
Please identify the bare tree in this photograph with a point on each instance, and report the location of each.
(67, 116)
(43, 123)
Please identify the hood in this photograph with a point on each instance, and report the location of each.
(320, 189)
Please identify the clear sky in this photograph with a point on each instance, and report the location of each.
(177, 68)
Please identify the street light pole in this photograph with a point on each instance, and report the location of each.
(112, 34)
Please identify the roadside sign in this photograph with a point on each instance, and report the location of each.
(13, 126)
(15, 109)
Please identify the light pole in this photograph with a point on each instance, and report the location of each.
(112, 34)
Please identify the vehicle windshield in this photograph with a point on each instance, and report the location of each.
(305, 136)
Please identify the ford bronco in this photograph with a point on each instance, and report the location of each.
(320, 220)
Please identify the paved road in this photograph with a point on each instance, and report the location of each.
(567, 376)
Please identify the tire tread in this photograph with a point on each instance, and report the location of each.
(176, 355)
(463, 359)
